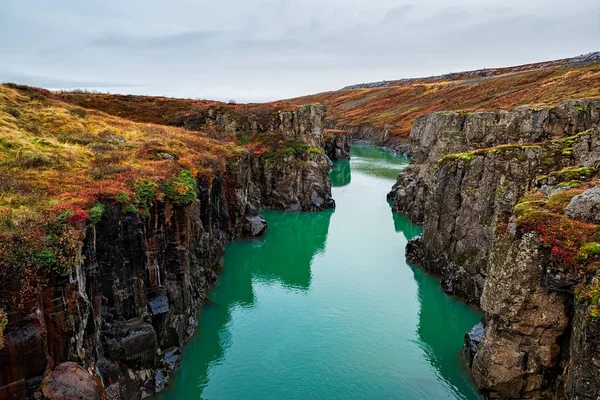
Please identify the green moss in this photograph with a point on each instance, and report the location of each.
(45, 258)
(289, 151)
(130, 208)
(315, 150)
(526, 207)
(589, 251)
(123, 198)
(466, 157)
(242, 137)
(181, 189)
(145, 192)
(570, 185)
(301, 147)
(558, 202)
(95, 214)
(590, 294)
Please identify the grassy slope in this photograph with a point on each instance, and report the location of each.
(161, 110)
(53, 153)
(396, 107)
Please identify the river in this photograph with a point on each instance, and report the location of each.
(324, 306)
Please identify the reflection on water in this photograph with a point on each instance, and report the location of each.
(325, 307)
(442, 324)
(377, 161)
(340, 175)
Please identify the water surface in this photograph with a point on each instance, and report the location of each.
(325, 307)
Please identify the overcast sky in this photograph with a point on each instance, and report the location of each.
(251, 50)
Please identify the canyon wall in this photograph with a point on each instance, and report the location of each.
(458, 189)
(115, 325)
(508, 201)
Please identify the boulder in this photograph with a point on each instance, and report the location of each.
(585, 206)
(69, 381)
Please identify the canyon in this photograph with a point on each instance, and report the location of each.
(103, 287)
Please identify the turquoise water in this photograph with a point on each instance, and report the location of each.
(325, 307)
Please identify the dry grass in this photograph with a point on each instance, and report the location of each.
(395, 107)
(53, 154)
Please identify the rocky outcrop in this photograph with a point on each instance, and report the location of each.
(337, 144)
(514, 256)
(459, 195)
(436, 135)
(525, 322)
(115, 325)
(68, 381)
(585, 206)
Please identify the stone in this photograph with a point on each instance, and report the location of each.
(133, 342)
(69, 381)
(472, 340)
(255, 226)
(585, 206)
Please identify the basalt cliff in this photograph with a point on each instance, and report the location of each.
(509, 204)
(112, 232)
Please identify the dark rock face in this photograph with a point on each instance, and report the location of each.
(414, 250)
(524, 322)
(535, 341)
(128, 308)
(459, 201)
(583, 370)
(337, 145)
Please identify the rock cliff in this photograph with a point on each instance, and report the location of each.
(459, 186)
(508, 203)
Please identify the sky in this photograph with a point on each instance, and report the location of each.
(254, 51)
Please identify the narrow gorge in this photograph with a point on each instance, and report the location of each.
(431, 238)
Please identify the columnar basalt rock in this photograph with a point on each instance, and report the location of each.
(458, 189)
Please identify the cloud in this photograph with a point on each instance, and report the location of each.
(256, 50)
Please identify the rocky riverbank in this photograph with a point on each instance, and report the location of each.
(496, 194)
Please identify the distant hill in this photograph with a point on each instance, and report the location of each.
(391, 106)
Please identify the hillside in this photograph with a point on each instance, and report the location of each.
(393, 105)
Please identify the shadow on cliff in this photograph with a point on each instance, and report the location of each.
(443, 321)
(282, 257)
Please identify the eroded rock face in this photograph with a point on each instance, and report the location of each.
(531, 345)
(337, 144)
(435, 135)
(582, 381)
(126, 311)
(460, 200)
(519, 354)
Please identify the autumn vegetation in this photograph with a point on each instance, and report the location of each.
(62, 162)
(395, 107)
